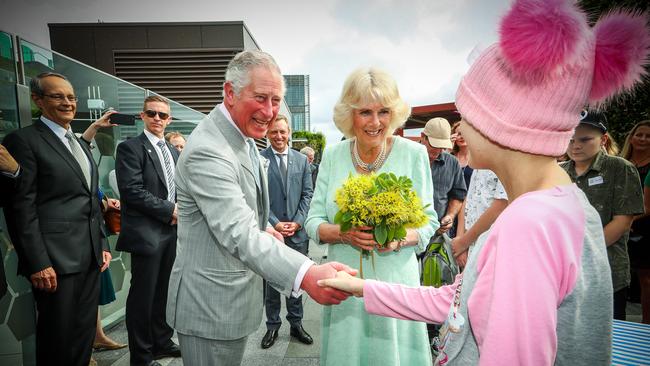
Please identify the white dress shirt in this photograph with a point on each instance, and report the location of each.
(284, 155)
(154, 141)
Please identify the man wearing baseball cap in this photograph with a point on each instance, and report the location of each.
(611, 185)
(449, 188)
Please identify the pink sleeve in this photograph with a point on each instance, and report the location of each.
(425, 304)
(524, 271)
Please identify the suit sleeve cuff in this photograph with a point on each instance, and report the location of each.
(300, 276)
(12, 175)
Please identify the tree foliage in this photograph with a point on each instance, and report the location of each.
(315, 140)
(624, 112)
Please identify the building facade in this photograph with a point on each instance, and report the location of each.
(297, 99)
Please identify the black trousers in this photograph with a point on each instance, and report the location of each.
(620, 301)
(272, 300)
(67, 318)
(147, 302)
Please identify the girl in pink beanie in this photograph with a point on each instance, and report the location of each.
(537, 287)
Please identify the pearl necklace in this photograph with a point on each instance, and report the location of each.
(369, 167)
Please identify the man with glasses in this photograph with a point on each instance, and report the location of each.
(144, 168)
(54, 220)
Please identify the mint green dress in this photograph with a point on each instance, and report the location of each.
(350, 336)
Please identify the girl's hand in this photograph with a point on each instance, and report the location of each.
(344, 282)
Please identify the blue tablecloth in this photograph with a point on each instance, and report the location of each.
(630, 343)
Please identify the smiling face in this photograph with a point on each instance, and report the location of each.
(585, 144)
(278, 134)
(55, 103)
(156, 125)
(370, 123)
(258, 102)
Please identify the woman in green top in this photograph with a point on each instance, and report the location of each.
(611, 185)
(367, 113)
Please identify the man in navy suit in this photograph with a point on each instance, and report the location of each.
(54, 220)
(144, 167)
(290, 192)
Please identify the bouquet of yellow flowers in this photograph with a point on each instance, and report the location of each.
(385, 202)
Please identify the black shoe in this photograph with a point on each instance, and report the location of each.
(269, 338)
(172, 351)
(154, 363)
(300, 333)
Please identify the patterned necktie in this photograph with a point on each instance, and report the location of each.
(252, 151)
(171, 187)
(283, 170)
(79, 155)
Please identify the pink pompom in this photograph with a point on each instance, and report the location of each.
(538, 37)
(622, 45)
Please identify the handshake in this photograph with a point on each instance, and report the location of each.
(331, 283)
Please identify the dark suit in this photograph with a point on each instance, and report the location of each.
(314, 174)
(146, 234)
(7, 186)
(55, 220)
(288, 204)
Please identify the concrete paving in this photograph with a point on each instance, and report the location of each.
(286, 351)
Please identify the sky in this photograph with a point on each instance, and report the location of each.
(423, 44)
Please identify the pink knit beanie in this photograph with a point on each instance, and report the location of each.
(527, 91)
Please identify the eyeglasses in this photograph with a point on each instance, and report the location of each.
(581, 140)
(152, 114)
(61, 98)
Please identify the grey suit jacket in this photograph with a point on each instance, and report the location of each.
(291, 204)
(215, 288)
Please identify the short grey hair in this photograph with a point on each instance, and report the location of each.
(237, 72)
(307, 150)
(37, 86)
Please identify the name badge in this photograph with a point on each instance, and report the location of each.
(595, 181)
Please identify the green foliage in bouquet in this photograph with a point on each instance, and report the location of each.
(385, 202)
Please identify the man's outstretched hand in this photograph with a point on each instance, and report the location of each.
(325, 295)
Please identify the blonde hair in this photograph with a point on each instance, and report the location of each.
(610, 146)
(627, 147)
(369, 85)
(155, 98)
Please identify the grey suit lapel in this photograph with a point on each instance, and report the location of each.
(291, 168)
(235, 140)
(240, 148)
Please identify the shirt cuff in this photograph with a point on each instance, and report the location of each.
(300, 276)
(12, 175)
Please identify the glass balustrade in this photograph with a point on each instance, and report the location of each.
(97, 92)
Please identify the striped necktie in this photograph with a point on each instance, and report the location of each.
(171, 187)
(79, 155)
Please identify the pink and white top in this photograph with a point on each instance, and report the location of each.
(536, 290)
